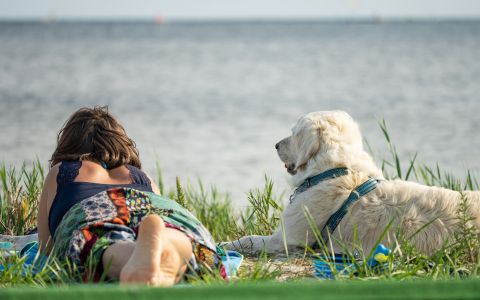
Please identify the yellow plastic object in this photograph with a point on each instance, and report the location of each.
(380, 257)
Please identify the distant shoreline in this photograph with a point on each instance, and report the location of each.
(253, 20)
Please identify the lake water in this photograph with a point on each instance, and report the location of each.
(210, 100)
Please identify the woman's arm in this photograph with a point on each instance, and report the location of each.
(48, 193)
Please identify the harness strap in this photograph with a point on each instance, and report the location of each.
(337, 217)
(311, 181)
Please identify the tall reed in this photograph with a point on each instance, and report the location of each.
(19, 197)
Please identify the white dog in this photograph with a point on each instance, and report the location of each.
(331, 142)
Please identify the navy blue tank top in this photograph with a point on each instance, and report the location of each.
(70, 192)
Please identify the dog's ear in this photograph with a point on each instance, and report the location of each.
(306, 143)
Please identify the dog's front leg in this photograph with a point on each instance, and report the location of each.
(254, 244)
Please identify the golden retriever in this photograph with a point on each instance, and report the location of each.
(322, 141)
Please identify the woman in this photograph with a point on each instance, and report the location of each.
(98, 205)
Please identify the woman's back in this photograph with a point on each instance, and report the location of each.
(78, 180)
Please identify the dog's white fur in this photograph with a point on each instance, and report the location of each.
(326, 140)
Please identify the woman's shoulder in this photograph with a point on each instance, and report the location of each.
(141, 177)
(65, 171)
(50, 182)
(53, 172)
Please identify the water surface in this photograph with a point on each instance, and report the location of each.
(210, 100)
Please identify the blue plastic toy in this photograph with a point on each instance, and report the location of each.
(343, 265)
(379, 256)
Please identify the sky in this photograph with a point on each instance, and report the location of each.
(225, 9)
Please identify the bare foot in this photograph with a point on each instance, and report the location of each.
(155, 261)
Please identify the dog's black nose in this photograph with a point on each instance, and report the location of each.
(277, 145)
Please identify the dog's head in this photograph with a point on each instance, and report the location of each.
(318, 136)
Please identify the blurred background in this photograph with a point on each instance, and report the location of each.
(206, 88)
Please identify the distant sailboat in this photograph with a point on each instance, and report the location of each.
(159, 19)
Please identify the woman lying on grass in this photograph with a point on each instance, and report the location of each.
(98, 205)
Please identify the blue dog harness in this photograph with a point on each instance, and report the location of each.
(336, 217)
(314, 180)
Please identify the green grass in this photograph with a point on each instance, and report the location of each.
(465, 289)
(20, 189)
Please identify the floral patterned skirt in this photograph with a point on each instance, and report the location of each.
(97, 222)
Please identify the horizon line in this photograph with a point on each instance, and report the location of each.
(160, 19)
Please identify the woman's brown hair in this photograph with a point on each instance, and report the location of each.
(94, 134)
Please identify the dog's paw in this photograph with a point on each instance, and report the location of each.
(226, 245)
(234, 245)
(249, 245)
